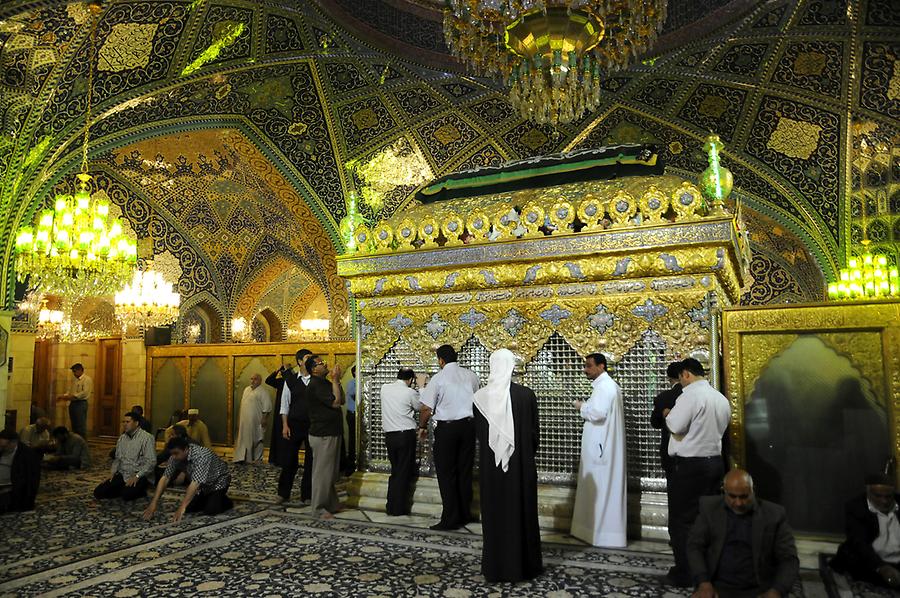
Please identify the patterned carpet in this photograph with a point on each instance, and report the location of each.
(72, 545)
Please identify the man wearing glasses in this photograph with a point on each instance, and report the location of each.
(324, 399)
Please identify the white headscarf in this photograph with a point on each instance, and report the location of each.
(495, 405)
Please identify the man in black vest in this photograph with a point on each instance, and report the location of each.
(295, 431)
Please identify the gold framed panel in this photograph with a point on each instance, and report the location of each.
(866, 333)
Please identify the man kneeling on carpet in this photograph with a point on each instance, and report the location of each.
(208, 475)
(133, 464)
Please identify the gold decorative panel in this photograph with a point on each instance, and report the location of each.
(815, 393)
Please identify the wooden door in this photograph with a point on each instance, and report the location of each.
(40, 381)
(107, 387)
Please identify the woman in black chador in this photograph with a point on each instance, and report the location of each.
(506, 423)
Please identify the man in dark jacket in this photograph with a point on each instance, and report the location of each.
(871, 551)
(20, 474)
(662, 404)
(276, 381)
(740, 547)
(324, 400)
(295, 431)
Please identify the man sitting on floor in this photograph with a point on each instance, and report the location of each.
(740, 547)
(209, 480)
(133, 464)
(196, 428)
(871, 551)
(37, 436)
(71, 451)
(20, 474)
(146, 426)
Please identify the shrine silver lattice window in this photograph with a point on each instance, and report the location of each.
(556, 375)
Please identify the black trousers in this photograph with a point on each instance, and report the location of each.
(211, 503)
(290, 463)
(116, 488)
(454, 455)
(401, 450)
(691, 478)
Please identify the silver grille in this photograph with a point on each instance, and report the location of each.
(642, 375)
(556, 375)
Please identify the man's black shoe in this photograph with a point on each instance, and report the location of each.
(443, 527)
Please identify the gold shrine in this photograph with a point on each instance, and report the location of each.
(631, 267)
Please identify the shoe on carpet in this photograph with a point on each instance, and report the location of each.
(443, 527)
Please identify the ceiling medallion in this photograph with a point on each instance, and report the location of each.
(551, 53)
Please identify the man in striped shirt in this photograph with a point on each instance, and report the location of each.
(133, 464)
(207, 489)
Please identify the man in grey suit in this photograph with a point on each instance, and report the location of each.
(740, 547)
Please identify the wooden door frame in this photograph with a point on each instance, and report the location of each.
(99, 384)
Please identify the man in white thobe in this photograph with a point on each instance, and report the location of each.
(255, 408)
(599, 513)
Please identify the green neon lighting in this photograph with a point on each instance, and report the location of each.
(229, 34)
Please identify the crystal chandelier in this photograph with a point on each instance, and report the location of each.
(240, 330)
(147, 302)
(551, 52)
(315, 328)
(872, 273)
(49, 322)
(77, 249)
(866, 278)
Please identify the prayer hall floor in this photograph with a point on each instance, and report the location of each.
(71, 545)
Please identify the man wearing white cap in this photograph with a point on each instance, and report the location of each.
(196, 428)
(506, 425)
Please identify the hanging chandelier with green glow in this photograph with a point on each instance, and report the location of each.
(76, 248)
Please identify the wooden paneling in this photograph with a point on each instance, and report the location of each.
(107, 387)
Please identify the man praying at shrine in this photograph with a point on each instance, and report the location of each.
(326, 425)
(208, 475)
(871, 551)
(133, 464)
(71, 451)
(20, 474)
(37, 436)
(598, 516)
(448, 398)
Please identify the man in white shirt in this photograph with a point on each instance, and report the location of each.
(81, 390)
(295, 431)
(133, 465)
(449, 398)
(696, 423)
(399, 404)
